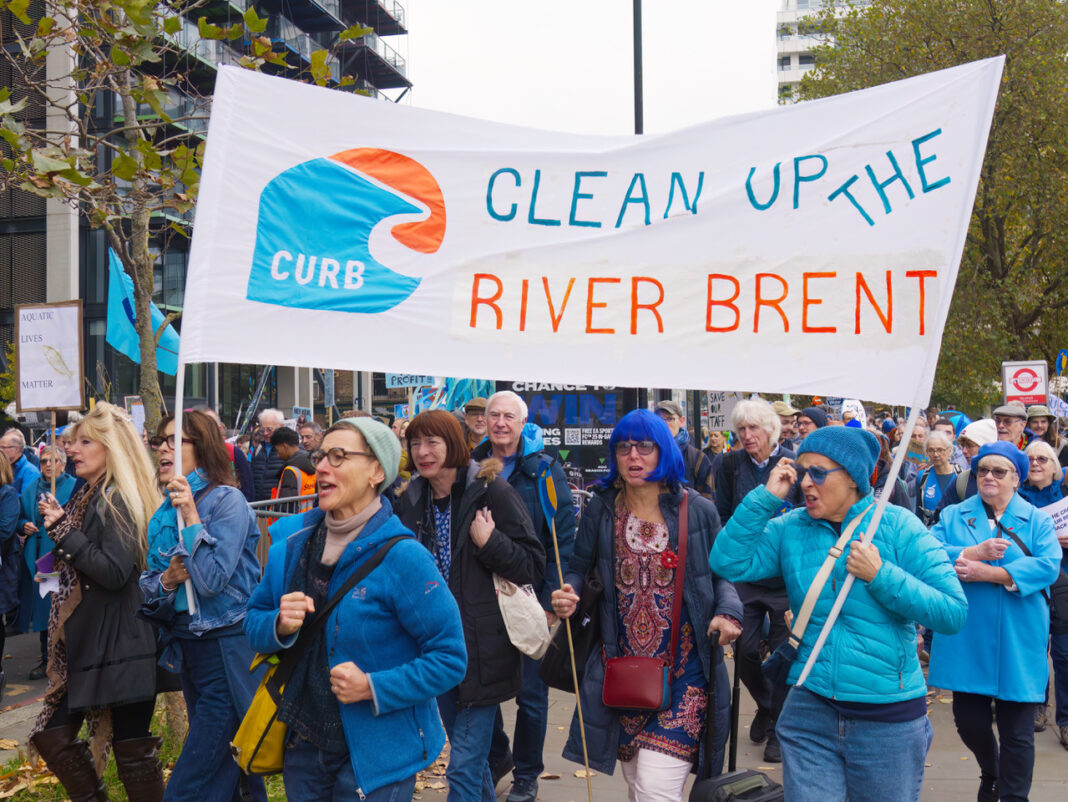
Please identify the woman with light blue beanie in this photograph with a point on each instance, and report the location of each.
(858, 727)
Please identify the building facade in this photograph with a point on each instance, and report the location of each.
(49, 252)
(797, 35)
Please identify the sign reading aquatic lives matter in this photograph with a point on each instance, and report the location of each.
(49, 370)
(1026, 382)
(1058, 511)
(723, 254)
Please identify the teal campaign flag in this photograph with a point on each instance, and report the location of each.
(121, 334)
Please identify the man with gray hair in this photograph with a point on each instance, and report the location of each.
(12, 444)
(267, 464)
(758, 427)
(519, 446)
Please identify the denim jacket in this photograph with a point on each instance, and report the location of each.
(222, 563)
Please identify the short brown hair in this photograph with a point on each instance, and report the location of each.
(439, 423)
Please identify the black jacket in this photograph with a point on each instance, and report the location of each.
(111, 653)
(524, 479)
(266, 468)
(494, 671)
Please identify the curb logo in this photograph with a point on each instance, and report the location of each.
(314, 226)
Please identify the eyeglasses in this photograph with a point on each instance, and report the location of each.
(938, 451)
(155, 442)
(817, 474)
(1006, 420)
(337, 456)
(10, 447)
(1039, 460)
(645, 447)
(999, 473)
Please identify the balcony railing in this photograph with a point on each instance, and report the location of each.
(283, 30)
(189, 113)
(385, 52)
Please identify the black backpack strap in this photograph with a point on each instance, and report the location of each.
(1012, 535)
(310, 630)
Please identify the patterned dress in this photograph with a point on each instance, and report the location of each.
(645, 576)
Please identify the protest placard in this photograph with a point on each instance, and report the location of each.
(48, 356)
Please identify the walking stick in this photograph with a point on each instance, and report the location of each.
(548, 497)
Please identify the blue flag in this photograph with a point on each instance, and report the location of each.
(121, 333)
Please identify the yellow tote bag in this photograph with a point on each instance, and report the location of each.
(260, 742)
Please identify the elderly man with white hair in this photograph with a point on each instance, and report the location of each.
(757, 426)
(12, 445)
(519, 447)
(267, 463)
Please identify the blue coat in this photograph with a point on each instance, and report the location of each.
(870, 653)
(704, 594)
(401, 625)
(33, 610)
(1001, 651)
(26, 473)
(9, 548)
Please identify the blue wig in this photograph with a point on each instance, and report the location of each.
(641, 424)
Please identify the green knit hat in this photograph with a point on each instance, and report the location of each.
(383, 444)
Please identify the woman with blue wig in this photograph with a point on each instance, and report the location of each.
(630, 534)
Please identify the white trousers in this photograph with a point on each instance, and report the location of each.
(655, 777)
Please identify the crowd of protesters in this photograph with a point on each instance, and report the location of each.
(156, 584)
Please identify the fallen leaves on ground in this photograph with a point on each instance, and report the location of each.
(24, 778)
(581, 773)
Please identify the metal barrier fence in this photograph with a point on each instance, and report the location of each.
(269, 511)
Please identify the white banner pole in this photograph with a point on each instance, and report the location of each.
(179, 394)
(869, 533)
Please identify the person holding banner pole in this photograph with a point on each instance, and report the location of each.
(858, 729)
(102, 657)
(1006, 553)
(216, 550)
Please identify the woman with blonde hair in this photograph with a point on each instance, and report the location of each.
(101, 656)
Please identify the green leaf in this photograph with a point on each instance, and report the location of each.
(319, 70)
(18, 8)
(172, 25)
(207, 30)
(45, 26)
(356, 31)
(255, 23)
(7, 107)
(119, 56)
(124, 167)
(234, 32)
(150, 156)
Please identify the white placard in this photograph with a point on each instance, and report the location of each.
(48, 356)
(1058, 511)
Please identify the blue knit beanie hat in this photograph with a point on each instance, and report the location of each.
(1000, 448)
(856, 450)
(816, 415)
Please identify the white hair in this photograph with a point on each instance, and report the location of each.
(757, 412)
(503, 395)
(936, 437)
(15, 435)
(275, 413)
(1037, 447)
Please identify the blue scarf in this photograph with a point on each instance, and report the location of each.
(163, 534)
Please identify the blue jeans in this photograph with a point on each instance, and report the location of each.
(1058, 647)
(217, 686)
(311, 775)
(828, 757)
(531, 721)
(470, 731)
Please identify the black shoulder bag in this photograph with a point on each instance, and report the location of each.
(1057, 595)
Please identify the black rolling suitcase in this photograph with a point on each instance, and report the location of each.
(735, 785)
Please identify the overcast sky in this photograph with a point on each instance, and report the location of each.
(567, 64)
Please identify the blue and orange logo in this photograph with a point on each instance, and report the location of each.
(314, 227)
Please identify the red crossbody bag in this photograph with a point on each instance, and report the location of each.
(644, 683)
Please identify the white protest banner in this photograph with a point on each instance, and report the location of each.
(807, 249)
(720, 406)
(1058, 511)
(48, 356)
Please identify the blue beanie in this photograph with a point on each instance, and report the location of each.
(1001, 448)
(888, 426)
(816, 415)
(856, 450)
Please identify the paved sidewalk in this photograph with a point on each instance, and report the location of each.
(952, 775)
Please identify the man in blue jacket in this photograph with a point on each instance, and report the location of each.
(519, 446)
(12, 444)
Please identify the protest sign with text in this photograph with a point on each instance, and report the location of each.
(728, 253)
(48, 356)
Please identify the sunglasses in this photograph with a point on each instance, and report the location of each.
(1039, 460)
(999, 473)
(817, 474)
(645, 447)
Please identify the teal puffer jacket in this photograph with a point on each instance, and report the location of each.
(870, 654)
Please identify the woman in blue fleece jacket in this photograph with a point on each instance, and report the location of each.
(360, 706)
(858, 728)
